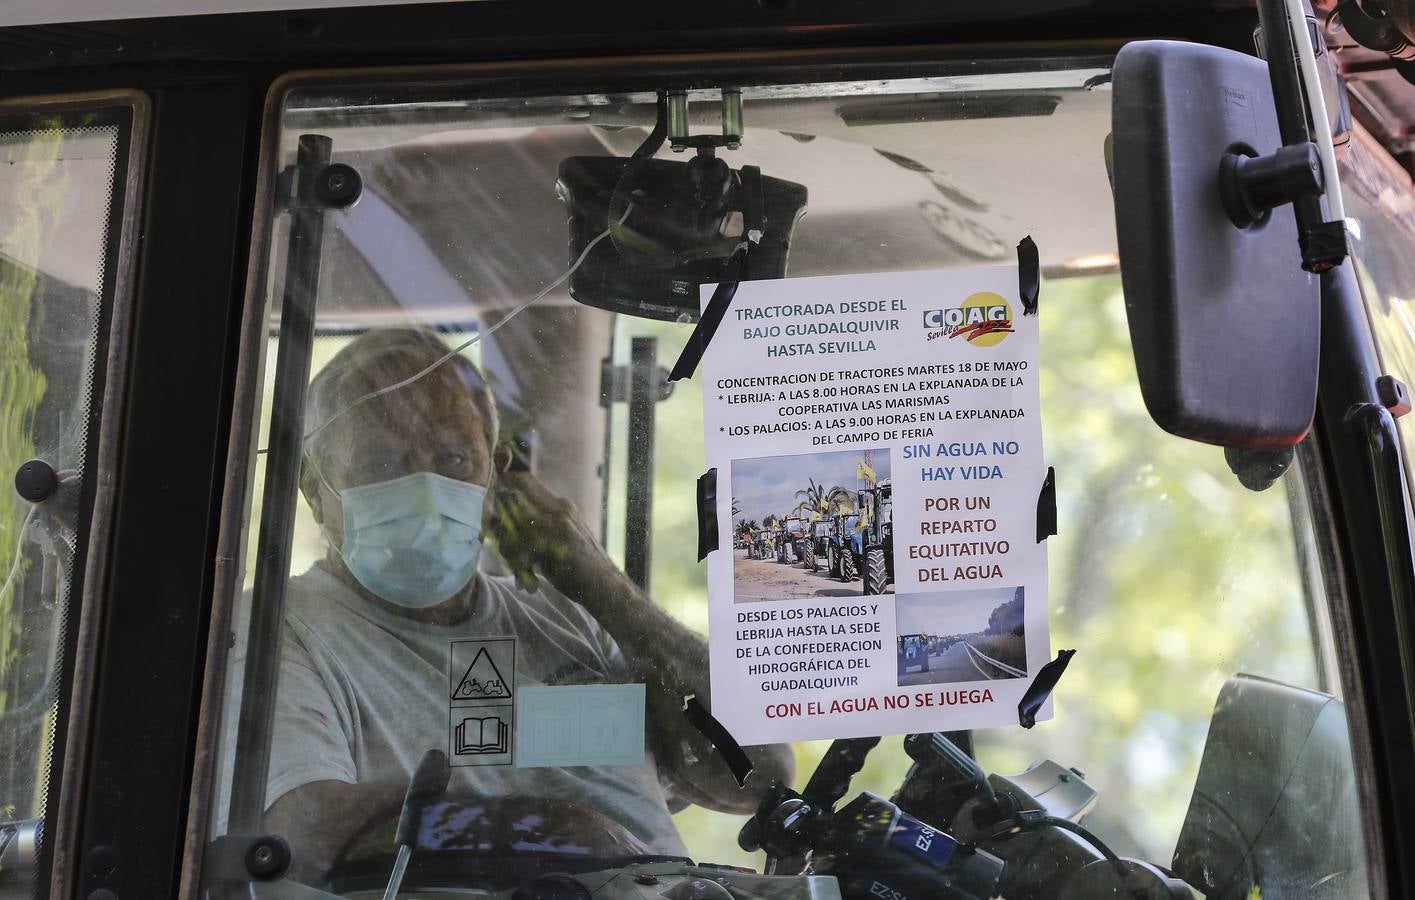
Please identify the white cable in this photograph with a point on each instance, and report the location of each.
(474, 338)
(19, 548)
(1317, 105)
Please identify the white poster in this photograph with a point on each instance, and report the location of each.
(877, 440)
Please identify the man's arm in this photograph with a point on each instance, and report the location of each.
(539, 530)
(319, 817)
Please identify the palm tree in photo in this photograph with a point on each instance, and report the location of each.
(839, 500)
(814, 497)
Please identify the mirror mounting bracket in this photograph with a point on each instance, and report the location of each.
(1323, 243)
(1251, 186)
(678, 137)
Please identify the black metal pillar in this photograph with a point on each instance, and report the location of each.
(282, 478)
(638, 514)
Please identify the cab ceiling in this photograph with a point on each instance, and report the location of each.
(458, 220)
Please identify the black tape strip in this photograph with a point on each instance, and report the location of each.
(698, 341)
(707, 513)
(1046, 506)
(1029, 275)
(725, 744)
(753, 216)
(1041, 687)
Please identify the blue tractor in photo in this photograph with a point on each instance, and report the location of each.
(842, 546)
(875, 553)
(913, 653)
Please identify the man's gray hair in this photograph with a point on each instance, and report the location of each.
(379, 358)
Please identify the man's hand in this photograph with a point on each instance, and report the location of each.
(535, 528)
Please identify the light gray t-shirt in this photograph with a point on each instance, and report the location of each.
(364, 693)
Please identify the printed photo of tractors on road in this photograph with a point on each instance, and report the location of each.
(946, 637)
(837, 541)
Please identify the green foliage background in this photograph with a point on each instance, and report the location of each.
(56, 195)
(40, 184)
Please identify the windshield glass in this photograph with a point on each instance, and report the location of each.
(1383, 208)
(62, 182)
(489, 493)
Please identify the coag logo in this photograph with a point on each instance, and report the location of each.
(984, 320)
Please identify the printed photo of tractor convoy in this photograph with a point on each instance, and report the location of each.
(814, 525)
(950, 636)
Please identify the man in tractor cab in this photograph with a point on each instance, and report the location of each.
(404, 484)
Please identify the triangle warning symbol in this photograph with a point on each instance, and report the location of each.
(482, 680)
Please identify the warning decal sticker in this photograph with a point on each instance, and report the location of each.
(482, 680)
(481, 710)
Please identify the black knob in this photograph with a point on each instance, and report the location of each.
(338, 185)
(268, 857)
(102, 860)
(1258, 470)
(1393, 395)
(36, 480)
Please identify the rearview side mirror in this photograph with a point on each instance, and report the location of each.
(1223, 319)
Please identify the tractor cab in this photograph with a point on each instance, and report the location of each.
(393, 397)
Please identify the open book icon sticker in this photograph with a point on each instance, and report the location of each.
(484, 734)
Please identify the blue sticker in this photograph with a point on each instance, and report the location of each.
(580, 725)
(929, 844)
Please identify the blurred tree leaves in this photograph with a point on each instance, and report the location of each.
(39, 190)
(42, 188)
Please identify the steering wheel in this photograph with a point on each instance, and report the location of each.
(490, 843)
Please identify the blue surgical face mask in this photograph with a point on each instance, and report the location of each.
(413, 541)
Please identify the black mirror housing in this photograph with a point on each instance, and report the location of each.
(1223, 320)
(672, 227)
